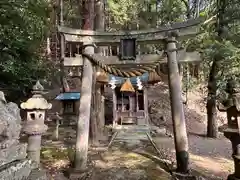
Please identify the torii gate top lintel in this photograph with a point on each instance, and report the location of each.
(183, 29)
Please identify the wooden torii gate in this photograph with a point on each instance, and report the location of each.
(141, 64)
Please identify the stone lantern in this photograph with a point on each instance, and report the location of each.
(231, 130)
(34, 126)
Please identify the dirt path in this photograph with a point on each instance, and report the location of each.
(120, 162)
(211, 156)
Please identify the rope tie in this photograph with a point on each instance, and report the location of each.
(127, 74)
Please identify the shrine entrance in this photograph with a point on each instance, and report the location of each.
(130, 67)
(130, 107)
(129, 103)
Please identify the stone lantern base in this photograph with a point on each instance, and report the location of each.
(233, 135)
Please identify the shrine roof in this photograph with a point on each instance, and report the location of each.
(68, 96)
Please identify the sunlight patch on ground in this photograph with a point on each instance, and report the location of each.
(132, 161)
(60, 163)
(214, 165)
(118, 158)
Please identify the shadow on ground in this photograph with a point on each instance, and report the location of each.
(138, 162)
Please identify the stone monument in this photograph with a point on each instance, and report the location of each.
(231, 130)
(13, 162)
(34, 126)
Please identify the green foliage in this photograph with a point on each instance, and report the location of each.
(150, 13)
(24, 24)
(144, 14)
(223, 49)
(123, 13)
(22, 31)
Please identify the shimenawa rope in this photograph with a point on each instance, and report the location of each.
(131, 73)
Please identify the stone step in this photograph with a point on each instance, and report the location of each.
(131, 136)
(17, 170)
(131, 142)
(132, 128)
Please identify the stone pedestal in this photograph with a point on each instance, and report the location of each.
(231, 130)
(234, 136)
(34, 131)
(34, 147)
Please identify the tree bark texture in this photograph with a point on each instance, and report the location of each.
(88, 14)
(212, 127)
(100, 15)
(178, 118)
(99, 111)
(80, 161)
(65, 87)
(94, 131)
(97, 106)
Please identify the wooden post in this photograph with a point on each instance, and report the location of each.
(145, 101)
(114, 107)
(181, 73)
(137, 106)
(56, 131)
(98, 105)
(178, 118)
(131, 105)
(94, 131)
(101, 110)
(131, 101)
(62, 48)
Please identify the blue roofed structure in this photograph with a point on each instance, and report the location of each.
(68, 96)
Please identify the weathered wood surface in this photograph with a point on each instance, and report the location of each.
(184, 29)
(178, 117)
(82, 135)
(145, 101)
(84, 114)
(115, 115)
(182, 56)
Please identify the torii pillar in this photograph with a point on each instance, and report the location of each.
(178, 118)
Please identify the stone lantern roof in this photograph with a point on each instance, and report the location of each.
(37, 101)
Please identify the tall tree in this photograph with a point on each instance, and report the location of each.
(98, 118)
(212, 130)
